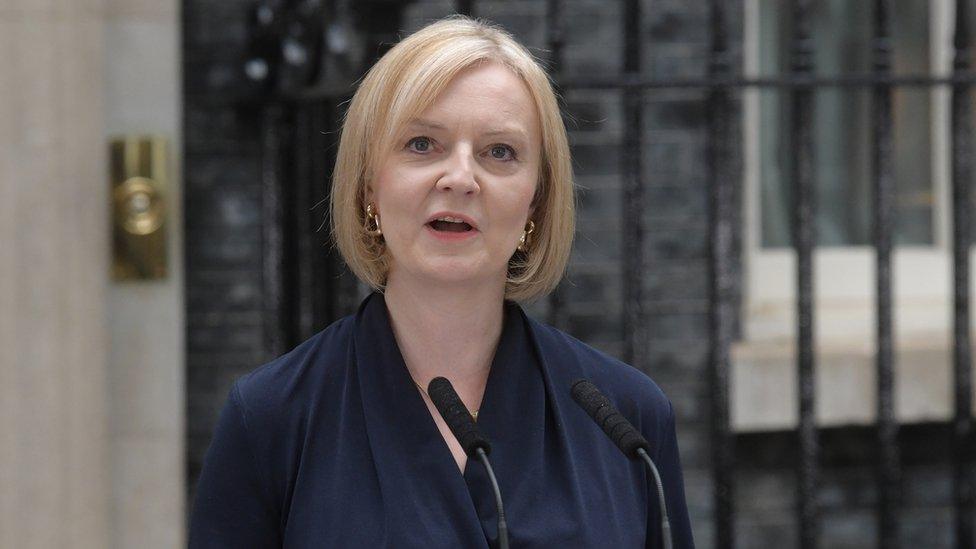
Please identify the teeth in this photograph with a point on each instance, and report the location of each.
(450, 219)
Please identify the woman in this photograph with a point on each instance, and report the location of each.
(453, 198)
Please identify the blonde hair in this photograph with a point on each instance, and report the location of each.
(400, 86)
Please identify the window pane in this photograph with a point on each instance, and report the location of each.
(842, 131)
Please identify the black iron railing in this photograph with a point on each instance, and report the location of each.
(802, 83)
(883, 191)
(720, 83)
(962, 182)
(722, 313)
(801, 170)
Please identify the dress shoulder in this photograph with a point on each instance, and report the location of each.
(286, 384)
(611, 375)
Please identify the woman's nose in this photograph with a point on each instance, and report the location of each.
(459, 172)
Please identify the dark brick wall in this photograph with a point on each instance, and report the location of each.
(224, 272)
(222, 167)
(765, 484)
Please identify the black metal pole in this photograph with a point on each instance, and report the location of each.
(803, 241)
(303, 180)
(721, 231)
(888, 470)
(464, 7)
(273, 276)
(847, 80)
(633, 192)
(962, 176)
(555, 40)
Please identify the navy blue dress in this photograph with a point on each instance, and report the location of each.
(331, 445)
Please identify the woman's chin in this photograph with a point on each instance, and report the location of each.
(457, 272)
(456, 276)
(457, 269)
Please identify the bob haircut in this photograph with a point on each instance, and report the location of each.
(400, 86)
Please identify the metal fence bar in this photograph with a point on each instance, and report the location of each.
(721, 231)
(317, 219)
(300, 188)
(464, 7)
(555, 39)
(883, 189)
(803, 239)
(313, 302)
(633, 191)
(637, 82)
(962, 175)
(272, 213)
(851, 80)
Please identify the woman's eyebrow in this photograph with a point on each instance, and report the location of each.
(422, 123)
(513, 130)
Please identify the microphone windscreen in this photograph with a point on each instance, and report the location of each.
(457, 417)
(615, 425)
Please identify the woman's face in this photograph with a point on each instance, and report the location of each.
(471, 160)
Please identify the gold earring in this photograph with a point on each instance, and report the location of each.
(374, 218)
(524, 239)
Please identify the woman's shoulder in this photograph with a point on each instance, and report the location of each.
(291, 380)
(621, 382)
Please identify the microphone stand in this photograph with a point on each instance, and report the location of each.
(625, 437)
(502, 525)
(665, 523)
(472, 440)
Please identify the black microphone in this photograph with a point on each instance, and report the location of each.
(624, 436)
(474, 444)
(457, 417)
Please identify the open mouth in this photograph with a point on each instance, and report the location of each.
(450, 226)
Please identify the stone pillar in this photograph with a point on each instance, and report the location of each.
(54, 458)
(146, 322)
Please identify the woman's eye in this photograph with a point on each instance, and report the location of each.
(419, 144)
(502, 152)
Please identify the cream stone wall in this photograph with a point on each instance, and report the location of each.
(146, 324)
(54, 440)
(91, 371)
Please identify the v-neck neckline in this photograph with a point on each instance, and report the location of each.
(500, 363)
(399, 422)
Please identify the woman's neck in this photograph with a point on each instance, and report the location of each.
(447, 331)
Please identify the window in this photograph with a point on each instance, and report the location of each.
(764, 377)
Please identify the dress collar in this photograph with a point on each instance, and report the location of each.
(420, 480)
